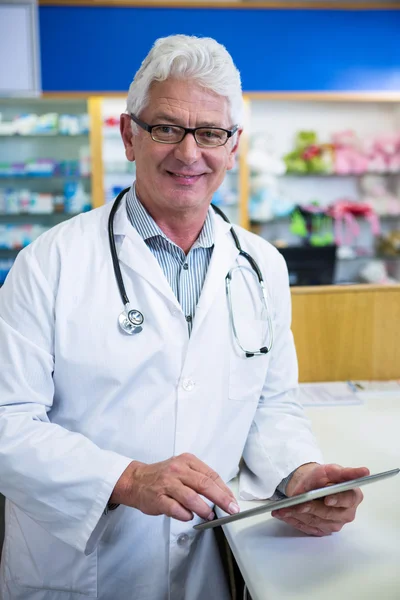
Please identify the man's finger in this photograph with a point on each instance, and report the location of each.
(190, 500)
(208, 488)
(197, 465)
(172, 508)
(349, 499)
(318, 512)
(208, 483)
(338, 474)
(309, 530)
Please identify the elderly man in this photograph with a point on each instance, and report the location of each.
(141, 360)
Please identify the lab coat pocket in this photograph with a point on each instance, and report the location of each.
(247, 374)
(35, 559)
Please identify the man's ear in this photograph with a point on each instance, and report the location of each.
(233, 150)
(125, 127)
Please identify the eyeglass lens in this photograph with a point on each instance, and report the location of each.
(172, 134)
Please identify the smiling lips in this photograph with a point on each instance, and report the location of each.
(185, 179)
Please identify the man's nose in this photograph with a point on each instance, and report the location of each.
(187, 151)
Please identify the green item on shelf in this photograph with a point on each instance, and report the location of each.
(304, 139)
(298, 224)
(321, 231)
(294, 163)
(308, 156)
(316, 165)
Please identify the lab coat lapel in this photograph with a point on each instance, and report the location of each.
(134, 253)
(223, 258)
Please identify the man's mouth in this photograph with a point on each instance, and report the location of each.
(185, 178)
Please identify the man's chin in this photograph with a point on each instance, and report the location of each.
(185, 199)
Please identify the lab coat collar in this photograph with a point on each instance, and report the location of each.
(133, 252)
(223, 258)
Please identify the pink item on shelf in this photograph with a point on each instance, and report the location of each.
(388, 147)
(344, 213)
(375, 191)
(348, 156)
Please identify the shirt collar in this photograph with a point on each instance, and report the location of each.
(147, 228)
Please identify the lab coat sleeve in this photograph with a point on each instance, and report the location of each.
(280, 438)
(59, 478)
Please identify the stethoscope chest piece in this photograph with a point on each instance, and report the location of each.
(131, 321)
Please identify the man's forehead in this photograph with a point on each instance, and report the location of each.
(183, 95)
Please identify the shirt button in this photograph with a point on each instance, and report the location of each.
(186, 266)
(188, 385)
(189, 318)
(182, 539)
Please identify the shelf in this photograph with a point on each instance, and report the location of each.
(6, 253)
(41, 177)
(118, 173)
(20, 136)
(49, 219)
(287, 218)
(373, 257)
(338, 175)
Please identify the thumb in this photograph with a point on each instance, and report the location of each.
(312, 476)
(338, 474)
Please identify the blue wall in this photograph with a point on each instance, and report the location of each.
(100, 48)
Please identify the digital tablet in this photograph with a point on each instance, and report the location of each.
(271, 505)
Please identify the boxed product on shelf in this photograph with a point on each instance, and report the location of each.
(12, 169)
(47, 167)
(85, 164)
(73, 124)
(23, 201)
(41, 167)
(76, 199)
(46, 124)
(9, 202)
(15, 237)
(41, 204)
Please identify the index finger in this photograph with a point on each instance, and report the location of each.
(207, 482)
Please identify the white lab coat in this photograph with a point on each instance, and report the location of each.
(79, 400)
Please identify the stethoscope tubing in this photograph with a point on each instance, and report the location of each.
(125, 316)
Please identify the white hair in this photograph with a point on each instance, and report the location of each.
(203, 60)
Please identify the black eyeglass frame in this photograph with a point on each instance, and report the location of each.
(192, 130)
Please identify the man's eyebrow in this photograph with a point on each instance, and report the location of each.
(165, 118)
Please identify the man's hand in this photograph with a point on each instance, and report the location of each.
(172, 488)
(329, 514)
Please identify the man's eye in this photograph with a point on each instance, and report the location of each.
(212, 134)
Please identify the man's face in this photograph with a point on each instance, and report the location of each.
(177, 177)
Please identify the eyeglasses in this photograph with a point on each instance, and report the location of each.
(209, 137)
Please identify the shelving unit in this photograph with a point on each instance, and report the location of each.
(277, 118)
(46, 219)
(33, 195)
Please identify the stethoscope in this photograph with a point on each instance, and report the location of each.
(131, 320)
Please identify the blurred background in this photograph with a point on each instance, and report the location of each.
(318, 173)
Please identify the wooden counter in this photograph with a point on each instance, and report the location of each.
(347, 332)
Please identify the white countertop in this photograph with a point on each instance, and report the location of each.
(362, 562)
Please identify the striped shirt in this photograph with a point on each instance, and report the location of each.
(185, 273)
